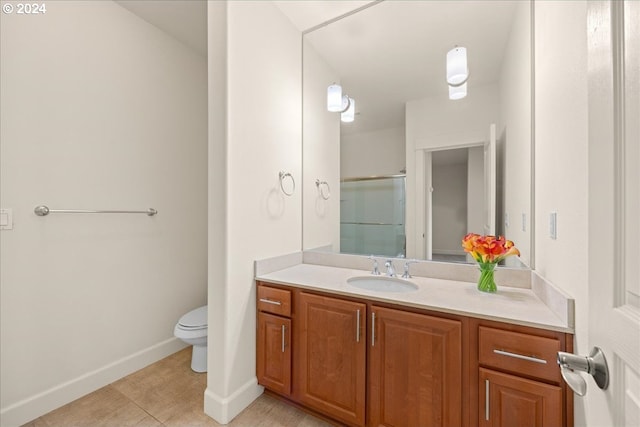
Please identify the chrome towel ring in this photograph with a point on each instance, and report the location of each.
(323, 189)
(284, 175)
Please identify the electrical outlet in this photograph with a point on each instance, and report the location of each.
(553, 225)
(6, 219)
(524, 221)
(506, 220)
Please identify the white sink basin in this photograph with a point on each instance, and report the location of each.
(382, 284)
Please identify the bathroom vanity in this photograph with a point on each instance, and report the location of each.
(443, 355)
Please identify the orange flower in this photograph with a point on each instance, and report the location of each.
(488, 249)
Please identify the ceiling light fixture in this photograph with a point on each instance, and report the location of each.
(349, 114)
(339, 103)
(334, 98)
(457, 69)
(458, 92)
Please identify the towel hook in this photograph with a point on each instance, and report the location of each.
(284, 175)
(321, 186)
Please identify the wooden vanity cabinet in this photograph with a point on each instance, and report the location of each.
(415, 369)
(515, 401)
(519, 381)
(330, 361)
(360, 363)
(273, 358)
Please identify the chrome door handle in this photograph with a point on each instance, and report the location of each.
(595, 365)
(358, 326)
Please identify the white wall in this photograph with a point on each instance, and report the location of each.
(217, 195)
(449, 207)
(561, 172)
(321, 151)
(375, 153)
(475, 190)
(263, 137)
(438, 122)
(515, 136)
(99, 110)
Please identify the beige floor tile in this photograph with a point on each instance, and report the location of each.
(105, 407)
(267, 411)
(38, 422)
(166, 388)
(167, 393)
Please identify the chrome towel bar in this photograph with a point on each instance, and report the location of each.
(43, 210)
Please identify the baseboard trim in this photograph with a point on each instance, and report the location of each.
(223, 410)
(39, 404)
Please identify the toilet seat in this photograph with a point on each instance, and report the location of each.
(192, 329)
(194, 320)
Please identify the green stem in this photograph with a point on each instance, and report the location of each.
(487, 283)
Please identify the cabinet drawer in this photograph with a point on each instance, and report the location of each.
(519, 353)
(274, 300)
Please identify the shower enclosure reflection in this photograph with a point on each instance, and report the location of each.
(372, 213)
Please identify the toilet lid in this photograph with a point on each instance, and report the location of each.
(195, 318)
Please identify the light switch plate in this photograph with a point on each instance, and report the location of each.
(6, 219)
(553, 225)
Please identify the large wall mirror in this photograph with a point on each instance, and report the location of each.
(416, 170)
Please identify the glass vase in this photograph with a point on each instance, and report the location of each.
(486, 282)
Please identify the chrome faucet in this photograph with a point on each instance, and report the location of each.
(391, 271)
(406, 274)
(375, 270)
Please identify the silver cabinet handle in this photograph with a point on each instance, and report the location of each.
(486, 400)
(520, 356)
(268, 301)
(283, 332)
(357, 325)
(373, 329)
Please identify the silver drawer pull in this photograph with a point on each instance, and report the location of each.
(268, 301)
(284, 328)
(486, 400)
(373, 329)
(520, 356)
(358, 326)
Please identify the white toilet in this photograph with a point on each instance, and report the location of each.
(192, 329)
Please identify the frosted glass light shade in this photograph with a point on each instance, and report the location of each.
(457, 69)
(334, 98)
(349, 115)
(458, 92)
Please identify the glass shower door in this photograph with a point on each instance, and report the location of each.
(372, 216)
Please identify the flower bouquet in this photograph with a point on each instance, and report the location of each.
(488, 251)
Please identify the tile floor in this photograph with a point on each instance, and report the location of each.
(167, 393)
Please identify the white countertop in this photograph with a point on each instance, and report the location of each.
(511, 305)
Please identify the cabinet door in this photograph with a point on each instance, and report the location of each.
(415, 372)
(330, 357)
(274, 353)
(507, 400)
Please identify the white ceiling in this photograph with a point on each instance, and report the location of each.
(395, 51)
(184, 20)
(385, 54)
(306, 14)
